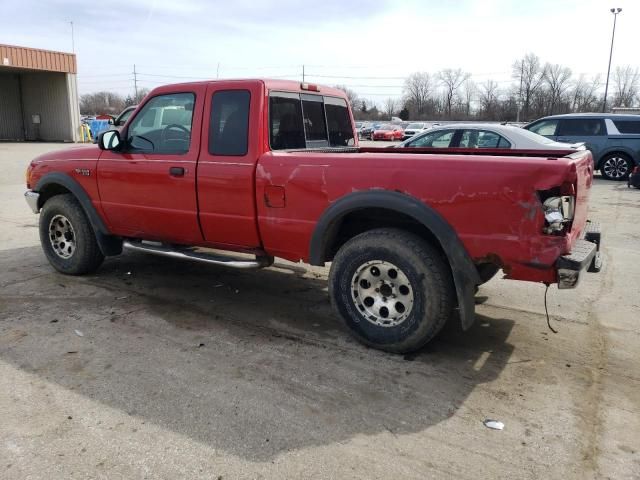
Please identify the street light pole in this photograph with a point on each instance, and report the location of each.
(615, 12)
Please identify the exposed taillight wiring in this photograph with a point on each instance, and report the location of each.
(546, 310)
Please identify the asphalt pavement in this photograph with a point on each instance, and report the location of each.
(155, 368)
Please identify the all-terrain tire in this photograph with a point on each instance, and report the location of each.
(67, 237)
(378, 271)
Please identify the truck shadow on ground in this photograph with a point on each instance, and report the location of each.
(251, 363)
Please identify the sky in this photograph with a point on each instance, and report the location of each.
(367, 45)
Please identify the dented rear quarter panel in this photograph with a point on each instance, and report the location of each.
(490, 201)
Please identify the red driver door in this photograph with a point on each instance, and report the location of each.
(148, 189)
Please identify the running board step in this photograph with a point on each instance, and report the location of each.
(188, 254)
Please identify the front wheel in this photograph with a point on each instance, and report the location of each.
(393, 290)
(67, 237)
(616, 166)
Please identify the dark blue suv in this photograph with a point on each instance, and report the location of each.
(614, 140)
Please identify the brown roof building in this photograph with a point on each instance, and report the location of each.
(38, 95)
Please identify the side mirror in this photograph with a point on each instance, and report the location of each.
(109, 140)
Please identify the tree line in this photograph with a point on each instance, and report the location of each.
(99, 103)
(537, 89)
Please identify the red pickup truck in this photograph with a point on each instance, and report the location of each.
(265, 168)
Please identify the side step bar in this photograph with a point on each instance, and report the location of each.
(187, 254)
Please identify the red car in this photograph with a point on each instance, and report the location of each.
(388, 132)
(272, 168)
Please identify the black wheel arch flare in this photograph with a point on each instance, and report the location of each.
(109, 244)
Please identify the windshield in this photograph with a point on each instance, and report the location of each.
(386, 126)
(533, 136)
(415, 125)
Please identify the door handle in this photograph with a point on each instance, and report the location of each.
(176, 171)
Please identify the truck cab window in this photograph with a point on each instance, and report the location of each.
(229, 125)
(315, 126)
(287, 130)
(163, 125)
(308, 121)
(338, 122)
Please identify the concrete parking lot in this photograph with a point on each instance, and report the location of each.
(153, 368)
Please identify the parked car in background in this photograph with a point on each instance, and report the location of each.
(480, 135)
(388, 132)
(366, 131)
(614, 140)
(414, 128)
(121, 119)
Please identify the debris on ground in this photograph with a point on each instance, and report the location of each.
(493, 424)
(79, 333)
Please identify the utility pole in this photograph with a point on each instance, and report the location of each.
(73, 42)
(302, 73)
(615, 12)
(218, 71)
(135, 82)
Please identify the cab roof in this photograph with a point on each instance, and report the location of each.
(269, 83)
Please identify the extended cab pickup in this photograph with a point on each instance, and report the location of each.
(264, 168)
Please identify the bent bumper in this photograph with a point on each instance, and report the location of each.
(32, 200)
(584, 254)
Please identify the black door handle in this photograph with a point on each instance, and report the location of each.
(176, 171)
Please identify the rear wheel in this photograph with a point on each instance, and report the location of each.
(393, 290)
(616, 166)
(67, 237)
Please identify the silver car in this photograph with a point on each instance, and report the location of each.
(480, 135)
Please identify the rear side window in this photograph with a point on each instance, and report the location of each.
(338, 122)
(315, 126)
(546, 127)
(285, 124)
(581, 127)
(626, 126)
(299, 121)
(437, 139)
(229, 125)
(482, 139)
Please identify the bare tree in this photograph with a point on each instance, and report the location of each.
(469, 92)
(585, 94)
(351, 95)
(489, 99)
(136, 99)
(557, 80)
(390, 107)
(528, 72)
(418, 88)
(101, 103)
(452, 80)
(627, 83)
